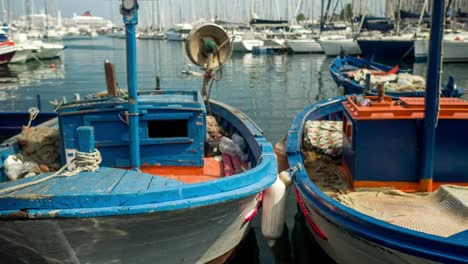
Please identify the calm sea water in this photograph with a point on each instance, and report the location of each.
(271, 89)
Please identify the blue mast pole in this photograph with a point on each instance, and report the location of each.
(432, 93)
(130, 18)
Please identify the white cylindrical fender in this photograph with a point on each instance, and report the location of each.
(274, 208)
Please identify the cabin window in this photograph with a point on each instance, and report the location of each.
(167, 128)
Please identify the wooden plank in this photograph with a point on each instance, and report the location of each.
(159, 183)
(87, 183)
(133, 182)
(30, 189)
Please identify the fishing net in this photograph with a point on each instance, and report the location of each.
(41, 144)
(324, 136)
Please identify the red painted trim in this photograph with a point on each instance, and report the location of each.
(254, 211)
(304, 210)
(251, 215)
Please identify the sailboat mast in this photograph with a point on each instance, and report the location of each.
(433, 77)
(152, 16)
(421, 15)
(46, 17)
(159, 15)
(398, 18)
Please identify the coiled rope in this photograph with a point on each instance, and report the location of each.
(82, 162)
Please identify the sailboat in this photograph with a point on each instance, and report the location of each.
(384, 181)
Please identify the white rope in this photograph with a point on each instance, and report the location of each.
(83, 161)
(33, 112)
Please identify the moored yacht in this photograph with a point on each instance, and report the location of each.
(179, 32)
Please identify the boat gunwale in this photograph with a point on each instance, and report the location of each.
(409, 241)
(227, 188)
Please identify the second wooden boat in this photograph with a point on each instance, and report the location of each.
(350, 72)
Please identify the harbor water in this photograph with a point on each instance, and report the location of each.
(271, 89)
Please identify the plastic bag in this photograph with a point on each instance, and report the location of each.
(228, 146)
(239, 140)
(15, 168)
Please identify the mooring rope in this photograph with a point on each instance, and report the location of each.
(33, 112)
(83, 162)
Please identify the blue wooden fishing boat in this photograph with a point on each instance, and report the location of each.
(137, 183)
(343, 67)
(385, 181)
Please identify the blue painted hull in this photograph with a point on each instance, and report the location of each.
(352, 237)
(389, 49)
(12, 122)
(352, 87)
(133, 217)
(192, 235)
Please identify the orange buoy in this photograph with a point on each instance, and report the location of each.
(52, 66)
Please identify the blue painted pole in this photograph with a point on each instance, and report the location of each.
(130, 36)
(432, 93)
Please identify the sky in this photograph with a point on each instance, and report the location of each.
(173, 10)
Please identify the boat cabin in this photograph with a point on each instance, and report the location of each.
(387, 151)
(172, 129)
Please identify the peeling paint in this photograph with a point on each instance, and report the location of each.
(54, 213)
(31, 197)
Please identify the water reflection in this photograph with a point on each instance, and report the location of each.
(19, 84)
(306, 249)
(294, 246)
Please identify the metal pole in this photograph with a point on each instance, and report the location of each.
(432, 93)
(134, 137)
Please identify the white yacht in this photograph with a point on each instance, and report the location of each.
(303, 44)
(25, 48)
(245, 42)
(47, 50)
(333, 45)
(455, 48)
(179, 32)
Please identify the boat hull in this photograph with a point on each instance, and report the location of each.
(335, 47)
(21, 56)
(347, 248)
(246, 45)
(191, 235)
(175, 36)
(7, 51)
(5, 58)
(453, 50)
(49, 53)
(304, 46)
(390, 49)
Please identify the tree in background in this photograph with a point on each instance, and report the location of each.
(301, 17)
(348, 12)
